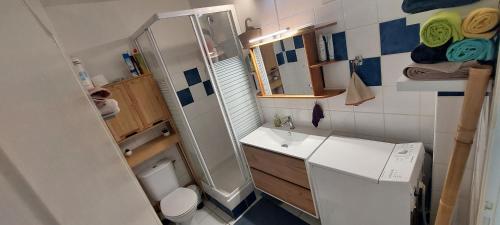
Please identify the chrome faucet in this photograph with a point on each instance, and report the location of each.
(287, 120)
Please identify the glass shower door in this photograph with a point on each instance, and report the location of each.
(230, 79)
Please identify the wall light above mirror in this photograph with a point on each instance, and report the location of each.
(287, 65)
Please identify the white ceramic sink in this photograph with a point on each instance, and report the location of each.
(299, 142)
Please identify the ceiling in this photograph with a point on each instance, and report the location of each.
(64, 2)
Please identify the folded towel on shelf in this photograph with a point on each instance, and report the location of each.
(428, 55)
(416, 6)
(110, 107)
(481, 23)
(439, 71)
(440, 28)
(317, 114)
(471, 49)
(357, 91)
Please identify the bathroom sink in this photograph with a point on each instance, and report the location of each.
(299, 142)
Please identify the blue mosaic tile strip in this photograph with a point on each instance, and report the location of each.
(370, 72)
(298, 41)
(396, 37)
(192, 76)
(185, 97)
(448, 93)
(339, 46)
(208, 87)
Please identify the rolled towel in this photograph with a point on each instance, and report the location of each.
(471, 49)
(440, 28)
(428, 55)
(439, 71)
(481, 23)
(416, 6)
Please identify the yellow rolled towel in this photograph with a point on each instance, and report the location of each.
(481, 23)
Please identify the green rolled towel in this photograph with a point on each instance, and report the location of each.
(440, 28)
(471, 49)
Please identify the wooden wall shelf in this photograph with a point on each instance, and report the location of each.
(320, 64)
(151, 149)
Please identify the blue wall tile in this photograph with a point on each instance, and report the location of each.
(291, 56)
(370, 72)
(185, 97)
(339, 46)
(208, 87)
(192, 76)
(298, 42)
(280, 58)
(396, 37)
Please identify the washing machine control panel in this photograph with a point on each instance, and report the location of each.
(405, 158)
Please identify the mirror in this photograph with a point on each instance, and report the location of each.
(286, 70)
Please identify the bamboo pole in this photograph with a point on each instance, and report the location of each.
(471, 109)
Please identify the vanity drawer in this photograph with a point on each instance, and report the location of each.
(284, 167)
(286, 191)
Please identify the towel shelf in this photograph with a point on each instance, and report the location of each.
(406, 84)
(151, 149)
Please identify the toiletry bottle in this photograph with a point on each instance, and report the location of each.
(83, 76)
(329, 40)
(130, 64)
(321, 48)
(277, 120)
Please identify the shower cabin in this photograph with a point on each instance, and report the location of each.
(196, 58)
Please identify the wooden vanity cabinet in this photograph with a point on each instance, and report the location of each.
(141, 106)
(281, 176)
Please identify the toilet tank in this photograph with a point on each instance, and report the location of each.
(159, 179)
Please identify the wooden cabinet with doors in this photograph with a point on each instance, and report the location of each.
(141, 106)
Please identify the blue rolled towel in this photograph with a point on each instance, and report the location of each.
(426, 55)
(416, 6)
(471, 49)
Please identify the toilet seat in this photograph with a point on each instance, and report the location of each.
(179, 202)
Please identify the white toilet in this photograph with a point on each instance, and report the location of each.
(177, 204)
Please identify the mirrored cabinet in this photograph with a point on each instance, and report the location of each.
(288, 66)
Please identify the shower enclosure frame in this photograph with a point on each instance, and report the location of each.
(194, 14)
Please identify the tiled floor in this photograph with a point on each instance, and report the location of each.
(211, 215)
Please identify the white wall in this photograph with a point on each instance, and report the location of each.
(53, 135)
(98, 32)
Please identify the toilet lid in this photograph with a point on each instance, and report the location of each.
(179, 202)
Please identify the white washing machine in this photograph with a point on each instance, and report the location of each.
(362, 182)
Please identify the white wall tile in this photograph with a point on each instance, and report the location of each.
(428, 103)
(448, 113)
(268, 114)
(269, 27)
(298, 20)
(402, 127)
(342, 121)
(363, 41)
(288, 8)
(359, 13)
(329, 12)
(392, 67)
(337, 75)
(371, 124)
(266, 102)
(389, 10)
(375, 105)
(401, 102)
(303, 117)
(338, 103)
(443, 148)
(427, 129)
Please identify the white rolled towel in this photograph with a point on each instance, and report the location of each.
(110, 107)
